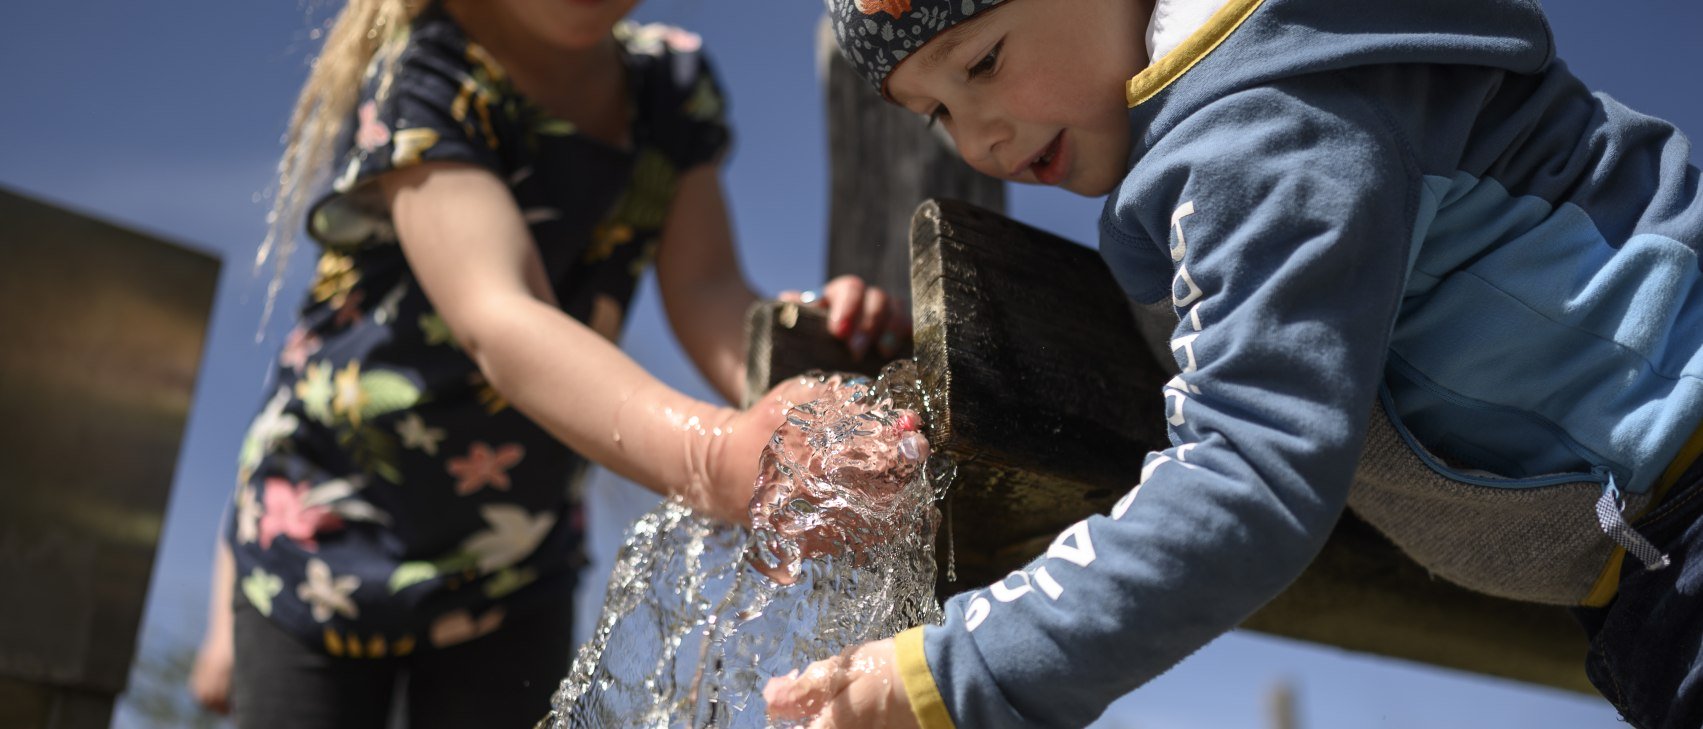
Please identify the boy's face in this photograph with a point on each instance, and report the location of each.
(1033, 91)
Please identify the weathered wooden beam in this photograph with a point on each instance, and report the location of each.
(1045, 394)
(785, 339)
(1041, 392)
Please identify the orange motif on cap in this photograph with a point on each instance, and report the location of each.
(895, 8)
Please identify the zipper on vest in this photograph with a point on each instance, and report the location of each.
(1611, 516)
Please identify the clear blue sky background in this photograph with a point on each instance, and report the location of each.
(166, 117)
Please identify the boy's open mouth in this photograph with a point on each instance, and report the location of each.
(1049, 165)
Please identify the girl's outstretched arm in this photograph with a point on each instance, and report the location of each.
(467, 243)
(703, 289)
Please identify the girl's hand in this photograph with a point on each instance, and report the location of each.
(736, 446)
(210, 679)
(836, 480)
(858, 688)
(860, 315)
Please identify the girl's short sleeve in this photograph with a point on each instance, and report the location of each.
(441, 103)
(687, 109)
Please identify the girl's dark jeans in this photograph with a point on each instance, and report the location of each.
(499, 681)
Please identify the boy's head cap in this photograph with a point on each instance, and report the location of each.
(875, 36)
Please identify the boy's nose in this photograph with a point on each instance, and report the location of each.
(984, 141)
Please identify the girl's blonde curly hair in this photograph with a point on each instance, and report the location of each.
(360, 34)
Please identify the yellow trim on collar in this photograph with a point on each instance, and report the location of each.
(1608, 582)
(1193, 49)
(926, 704)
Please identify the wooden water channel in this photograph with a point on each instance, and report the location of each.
(1047, 395)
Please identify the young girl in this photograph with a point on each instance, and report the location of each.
(407, 516)
(1411, 266)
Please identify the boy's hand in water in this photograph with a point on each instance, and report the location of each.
(858, 688)
(860, 315)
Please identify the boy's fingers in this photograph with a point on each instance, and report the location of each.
(795, 697)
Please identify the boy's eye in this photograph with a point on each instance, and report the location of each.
(985, 66)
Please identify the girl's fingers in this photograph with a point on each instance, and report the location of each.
(872, 320)
(845, 298)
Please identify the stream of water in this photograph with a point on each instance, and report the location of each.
(699, 615)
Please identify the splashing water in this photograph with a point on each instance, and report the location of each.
(701, 614)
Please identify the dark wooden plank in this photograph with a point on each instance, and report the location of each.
(785, 339)
(103, 329)
(1048, 399)
(1044, 395)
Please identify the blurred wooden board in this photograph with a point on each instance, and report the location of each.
(103, 330)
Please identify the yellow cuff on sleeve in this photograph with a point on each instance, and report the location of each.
(926, 704)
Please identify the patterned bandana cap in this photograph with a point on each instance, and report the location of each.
(875, 35)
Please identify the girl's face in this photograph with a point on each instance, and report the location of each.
(1033, 91)
(567, 23)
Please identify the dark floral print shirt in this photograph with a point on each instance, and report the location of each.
(388, 499)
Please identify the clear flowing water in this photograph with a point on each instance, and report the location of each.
(699, 615)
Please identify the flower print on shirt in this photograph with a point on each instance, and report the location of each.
(288, 514)
(259, 587)
(372, 133)
(342, 497)
(436, 331)
(335, 277)
(513, 535)
(460, 626)
(507, 581)
(248, 515)
(328, 594)
(705, 103)
(270, 428)
(414, 433)
(485, 467)
(349, 314)
(315, 391)
(494, 401)
(410, 144)
(349, 397)
(298, 347)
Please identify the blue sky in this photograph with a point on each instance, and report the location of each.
(169, 121)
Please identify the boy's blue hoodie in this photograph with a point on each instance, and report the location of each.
(1354, 209)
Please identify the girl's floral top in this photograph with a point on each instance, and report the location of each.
(388, 499)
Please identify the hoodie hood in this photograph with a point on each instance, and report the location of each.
(1250, 42)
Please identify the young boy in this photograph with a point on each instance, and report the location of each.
(1416, 269)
